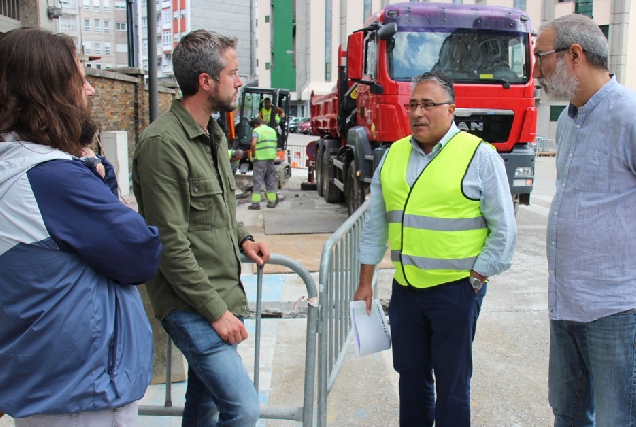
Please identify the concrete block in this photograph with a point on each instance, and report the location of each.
(160, 337)
(115, 145)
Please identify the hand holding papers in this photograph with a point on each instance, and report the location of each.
(371, 331)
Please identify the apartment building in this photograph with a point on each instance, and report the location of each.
(99, 29)
(319, 28)
(175, 18)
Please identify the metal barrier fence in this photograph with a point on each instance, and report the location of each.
(304, 413)
(338, 279)
(10, 9)
(545, 146)
(297, 156)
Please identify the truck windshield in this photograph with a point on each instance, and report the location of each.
(465, 55)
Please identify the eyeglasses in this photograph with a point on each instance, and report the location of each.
(539, 56)
(427, 106)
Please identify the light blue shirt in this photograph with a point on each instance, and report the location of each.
(591, 236)
(485, 180)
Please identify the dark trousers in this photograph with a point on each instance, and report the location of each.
(432, 331)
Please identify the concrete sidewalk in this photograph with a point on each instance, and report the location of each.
(509, 386)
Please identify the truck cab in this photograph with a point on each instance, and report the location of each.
(485, 50)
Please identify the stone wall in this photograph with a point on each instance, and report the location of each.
(121, 102)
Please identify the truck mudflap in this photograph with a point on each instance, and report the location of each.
(520, 170)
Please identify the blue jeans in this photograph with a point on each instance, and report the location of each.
(432, 331)
(592, 379)
(217, 377)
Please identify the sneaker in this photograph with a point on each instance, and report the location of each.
(254, 207)
(272, 204)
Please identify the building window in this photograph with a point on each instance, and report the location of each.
(120, 5)
(267, 67)
(366, 10)
(555, 112)
(106, 6)
(458, 1)
(165, 14)
(87, 4)
(87, 25)
(144, 22)
(107, 48)
(328, 9)
(120, 26)
(98, 48)
(96, 5)
(605, 30)
(96, 26)
(520, 4)
(106, 26)
(267, 19)
(88, 48)
(167, 38)
(584, 7)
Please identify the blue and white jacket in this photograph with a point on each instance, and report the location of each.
(74, 336)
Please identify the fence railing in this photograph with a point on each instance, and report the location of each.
(297, 156)
(304, 413)
(338, 279)
(545, 146)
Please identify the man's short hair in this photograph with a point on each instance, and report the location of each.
(199, 52)
(581, 30)
(256, 121)
(442, 79)
(41, 89)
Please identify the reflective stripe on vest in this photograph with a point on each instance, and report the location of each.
(435, 231)
(266, 144)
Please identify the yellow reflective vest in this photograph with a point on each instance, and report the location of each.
(435, 231)
(266, 114)
(266, 143)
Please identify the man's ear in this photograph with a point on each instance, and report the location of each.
(205, 81)
(577, 53)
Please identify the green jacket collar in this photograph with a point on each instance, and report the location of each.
(190, 125)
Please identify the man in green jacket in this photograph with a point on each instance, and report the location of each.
(184, 185)
(263, 149)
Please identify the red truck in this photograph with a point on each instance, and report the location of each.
(486, 50)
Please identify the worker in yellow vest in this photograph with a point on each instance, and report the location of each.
(441, 199)
(264, 141)
(266, 114)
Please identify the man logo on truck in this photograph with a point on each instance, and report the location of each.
(474, 126)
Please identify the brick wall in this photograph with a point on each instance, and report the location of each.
(121, 102)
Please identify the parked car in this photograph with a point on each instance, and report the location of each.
(304, 127)
(293, 123)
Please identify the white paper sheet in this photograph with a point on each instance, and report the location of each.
(371, 331)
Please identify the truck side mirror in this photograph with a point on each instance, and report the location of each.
(354, 62)
(386, 32)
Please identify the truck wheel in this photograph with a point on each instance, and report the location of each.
(353, 198)
(515, 204)
(330, 192)
(318, 169)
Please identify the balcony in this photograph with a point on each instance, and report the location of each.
(10, 9)
(68, 28)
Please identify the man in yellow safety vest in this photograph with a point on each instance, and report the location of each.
(266, 113)
(264, 141)
(440, 197)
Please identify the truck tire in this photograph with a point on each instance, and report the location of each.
(318, 169)
(353, 192)
(330, 192)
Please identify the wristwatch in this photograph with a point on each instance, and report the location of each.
(475, 282)
(245, 239)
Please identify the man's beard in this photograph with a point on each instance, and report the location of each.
(89, 128)
(221, 105)
(561, 85)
